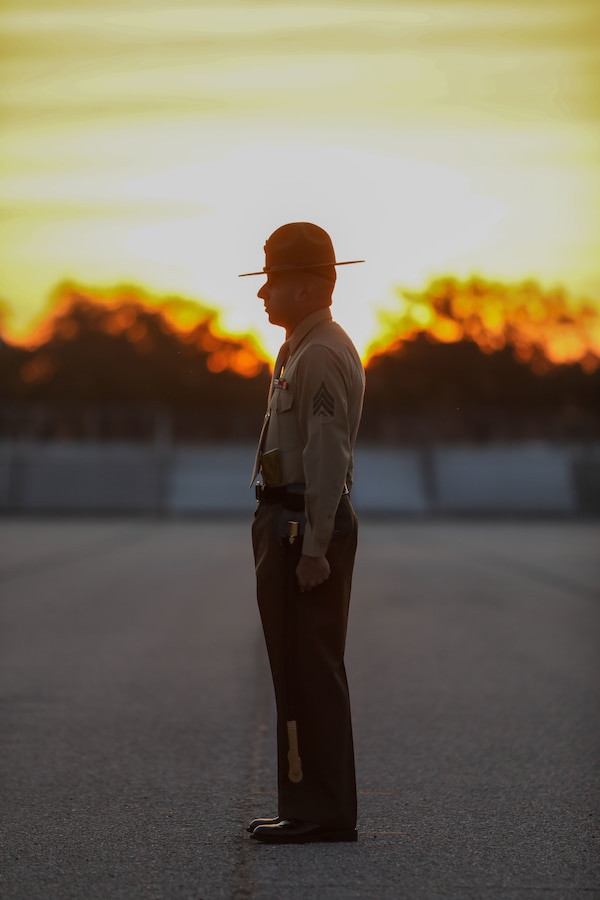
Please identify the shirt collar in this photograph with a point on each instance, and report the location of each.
(307, 324)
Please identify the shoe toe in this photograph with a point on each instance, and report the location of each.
(293, 831)
(257, 823)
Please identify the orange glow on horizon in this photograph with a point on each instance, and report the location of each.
(118, 309)
(543, 328)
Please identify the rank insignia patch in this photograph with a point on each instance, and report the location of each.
(323, 402)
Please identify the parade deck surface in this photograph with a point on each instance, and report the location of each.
(138, 726)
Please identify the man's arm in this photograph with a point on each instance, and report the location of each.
(322, 396)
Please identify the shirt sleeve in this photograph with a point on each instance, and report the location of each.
(322, 391)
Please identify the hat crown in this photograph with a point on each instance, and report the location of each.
(298, 245)
(301, 245)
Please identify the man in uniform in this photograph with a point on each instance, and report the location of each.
(305, 459)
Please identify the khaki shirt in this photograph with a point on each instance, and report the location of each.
(314, 414)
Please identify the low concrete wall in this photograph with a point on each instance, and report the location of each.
(390, 479)
(534, 478)
(80, 478)
(213, 478)
(506, 479)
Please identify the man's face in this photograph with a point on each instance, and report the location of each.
(281, 294)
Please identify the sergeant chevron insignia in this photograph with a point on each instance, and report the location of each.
(323, 402)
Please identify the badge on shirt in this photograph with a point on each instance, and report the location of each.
(324, 402)
(281, 384)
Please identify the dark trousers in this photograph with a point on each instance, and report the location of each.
(327, 793)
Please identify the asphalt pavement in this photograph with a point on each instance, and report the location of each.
(137, 723)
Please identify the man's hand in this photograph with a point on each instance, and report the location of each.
(312, 571)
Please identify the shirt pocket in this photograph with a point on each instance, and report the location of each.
(282, 401)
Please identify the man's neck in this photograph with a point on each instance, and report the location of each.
(304, 327)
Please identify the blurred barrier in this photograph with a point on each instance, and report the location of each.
(536, 478)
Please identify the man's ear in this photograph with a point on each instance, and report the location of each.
(304, 292)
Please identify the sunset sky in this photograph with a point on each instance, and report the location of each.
(160, 144)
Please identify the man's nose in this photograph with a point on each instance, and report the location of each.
(262, 292)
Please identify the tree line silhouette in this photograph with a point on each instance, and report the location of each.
(460, 360)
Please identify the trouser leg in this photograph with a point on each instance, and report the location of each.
(327, 793)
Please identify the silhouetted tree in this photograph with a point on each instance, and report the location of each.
(478, 351)
(97, 355)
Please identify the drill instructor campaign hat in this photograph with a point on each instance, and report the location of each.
(299, 245)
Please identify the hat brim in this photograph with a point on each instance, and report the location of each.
(290, 268)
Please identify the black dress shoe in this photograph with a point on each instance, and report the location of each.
(294, 831)
(256, 822)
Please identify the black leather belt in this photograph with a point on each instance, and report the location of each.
(289, 495)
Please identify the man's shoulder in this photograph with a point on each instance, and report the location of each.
(329, 345)
(330, 334)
